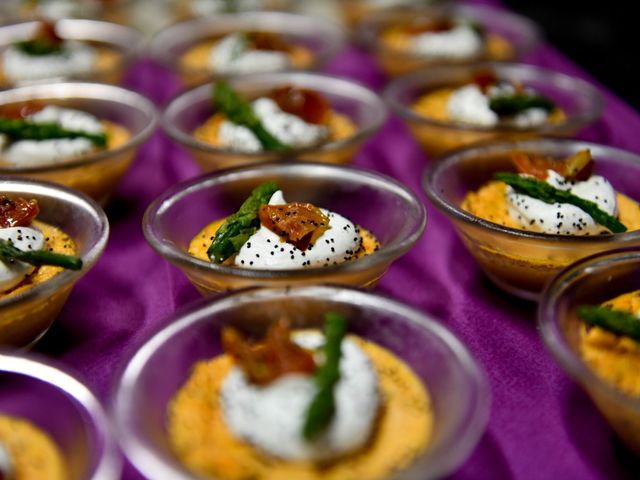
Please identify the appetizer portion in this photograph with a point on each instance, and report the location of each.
(31, 252)
(489, 101)
(33, 134)
(247, 52)
(47, 56)
(269, 233)
(554, 197)
(610, 341)
(287, 118)
(27, 452)
(300, 404)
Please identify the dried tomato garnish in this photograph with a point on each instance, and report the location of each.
(425, 25)
(268, 41)
(18, 212)
(575, 167)
(297, 223)
(21, 110)
(485, 79)
(47, 32)
(268, 360)
(306, 104)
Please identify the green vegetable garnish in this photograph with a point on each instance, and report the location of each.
(237, 228)
(230, 6)
(513, 104)
(549, 194)
(39, 46)
(616, 321)
(39, 257)
(18, 129)
(239, 111)
(323, 406)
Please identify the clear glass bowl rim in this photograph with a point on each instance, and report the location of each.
(372, 179)
(446, 458)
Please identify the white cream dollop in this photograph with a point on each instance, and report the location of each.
(563, 218)
(266, 251)
(6, 467)
(33, 153)
(272, 417)
(75, 59)
(25, 239)
(461, 42)
(289, 129)
(233, 54)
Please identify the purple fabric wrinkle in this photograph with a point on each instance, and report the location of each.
(541, 425)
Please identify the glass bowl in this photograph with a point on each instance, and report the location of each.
(457, 386)
(25, 317)
(522, 262)
(379, 204)
(591, 281)
(579, 100)
(107, 38)
(41, 392)
(95, 174)
(191, 109)
(521, 35)
(323, 38)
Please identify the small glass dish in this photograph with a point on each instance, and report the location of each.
(580, 102)
(591, 281)
(95, 174)
(192, 108)
(377, 203)
(518, 261)
(43, 393)
(116, 46)
(26, 316)
(457, 386)
(507, 36)
(322, 38)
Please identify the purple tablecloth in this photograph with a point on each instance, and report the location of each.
(541, 426)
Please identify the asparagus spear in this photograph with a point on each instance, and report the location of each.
(514, 104)
(549, 194)
(38, 257)
(323, 406)
(18, 129)
(616, 321)
(240, 112)
(237, 228)
(39, 46)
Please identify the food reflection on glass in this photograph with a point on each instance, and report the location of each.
(27, 452)
(31, 252)
(287, 118)
(554, 197)
(300, 403)
(267, 232)
(49, 56)
(212, 7)
(34, 134)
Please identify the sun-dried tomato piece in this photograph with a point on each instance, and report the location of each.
(268, 41)
(18, 212)
(575, 167)
(21, 110)
(264, 362)
(297, 223)
(306, 104)
(485, 79)
(47, 32)
(426, 25)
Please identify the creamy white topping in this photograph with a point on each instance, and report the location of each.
(25, 239)
(233, 54)
(563, 218)
(272, 417)
(469, 104)
(265, 249)
(462, 41)
(208, 7)
(289, 129)
(6, 468)
(76, 59)
(33, 153)
(58, 9)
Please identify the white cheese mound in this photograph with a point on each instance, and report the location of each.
(563, 218)
(461, 42)
(76, 59)
(58, 9)
(23, 238)
(35, 153)
(6, 468)
(208, 7)
(233, 54)
(272, 417)
(266, 251)
(289, 129)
